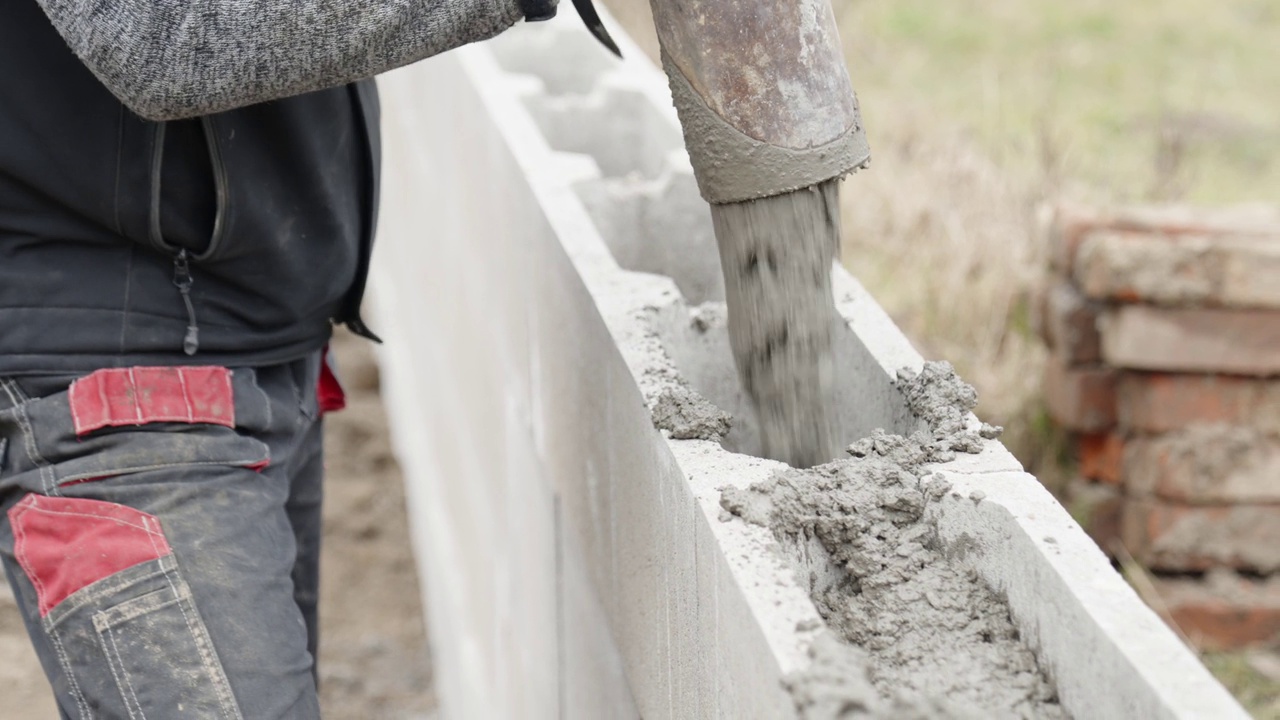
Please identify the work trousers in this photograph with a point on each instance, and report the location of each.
(160, 528)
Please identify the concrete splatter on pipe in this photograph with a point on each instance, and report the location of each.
(763, 94)
(771, 124)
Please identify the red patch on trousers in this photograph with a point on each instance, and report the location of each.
(66, 544)
(121, 397)
(330, 397)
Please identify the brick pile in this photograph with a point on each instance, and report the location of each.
(1164, 326)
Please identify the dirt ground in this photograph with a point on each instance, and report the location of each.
(373, 651)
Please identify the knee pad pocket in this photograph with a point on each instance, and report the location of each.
(110, 595)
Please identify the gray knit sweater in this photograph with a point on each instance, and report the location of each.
(170, 59)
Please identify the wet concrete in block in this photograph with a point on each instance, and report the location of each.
(686, 415)
(913, 623)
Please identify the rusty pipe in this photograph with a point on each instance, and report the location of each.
(763, 94)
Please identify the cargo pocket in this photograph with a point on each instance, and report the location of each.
(161, 657)
(123, 421)
(111, 596)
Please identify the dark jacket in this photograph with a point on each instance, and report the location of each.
(229, 238)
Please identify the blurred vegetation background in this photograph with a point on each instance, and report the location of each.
(1124, 101)
(979, 111)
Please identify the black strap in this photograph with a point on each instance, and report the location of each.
(538, 10)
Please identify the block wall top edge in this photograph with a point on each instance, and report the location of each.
(1101, 612)
(869, 321)
(770, 586)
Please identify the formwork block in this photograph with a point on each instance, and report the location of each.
(473, 424)
(567, 423)
(705, 618)
(528, 630)
(648, 572)
(698, 344)
(1085, 621)
(618, 127)
(759, 601)
(588, 648)
(577, 69)
(659, 225)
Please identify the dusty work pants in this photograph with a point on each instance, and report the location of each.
(161, 531)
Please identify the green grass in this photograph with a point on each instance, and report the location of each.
(1133, 100)
(1260, 695)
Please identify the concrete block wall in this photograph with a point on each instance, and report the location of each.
(542, 257)
(1165, 328)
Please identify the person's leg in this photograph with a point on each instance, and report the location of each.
(149, 546)
(306, 495)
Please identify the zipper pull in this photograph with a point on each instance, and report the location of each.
(183, 280)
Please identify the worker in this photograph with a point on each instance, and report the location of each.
(188, 194)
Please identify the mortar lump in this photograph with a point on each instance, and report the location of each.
(929, 635)
(687, 415)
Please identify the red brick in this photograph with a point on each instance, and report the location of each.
(1223, 611)
(1101, 457)
(1071, 325)
(1213, 464)
(1177, 537)
(1080, 398)
(1098, 509)
(1145, 267)
(1237, 271)
(1067, 225)
(1162, 402)
(1242, 342)
(1249, 273)
(1259, 219)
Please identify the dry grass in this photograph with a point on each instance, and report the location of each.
(944, 241)
(978, 110)
(1124, 100)
(1243, 674)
